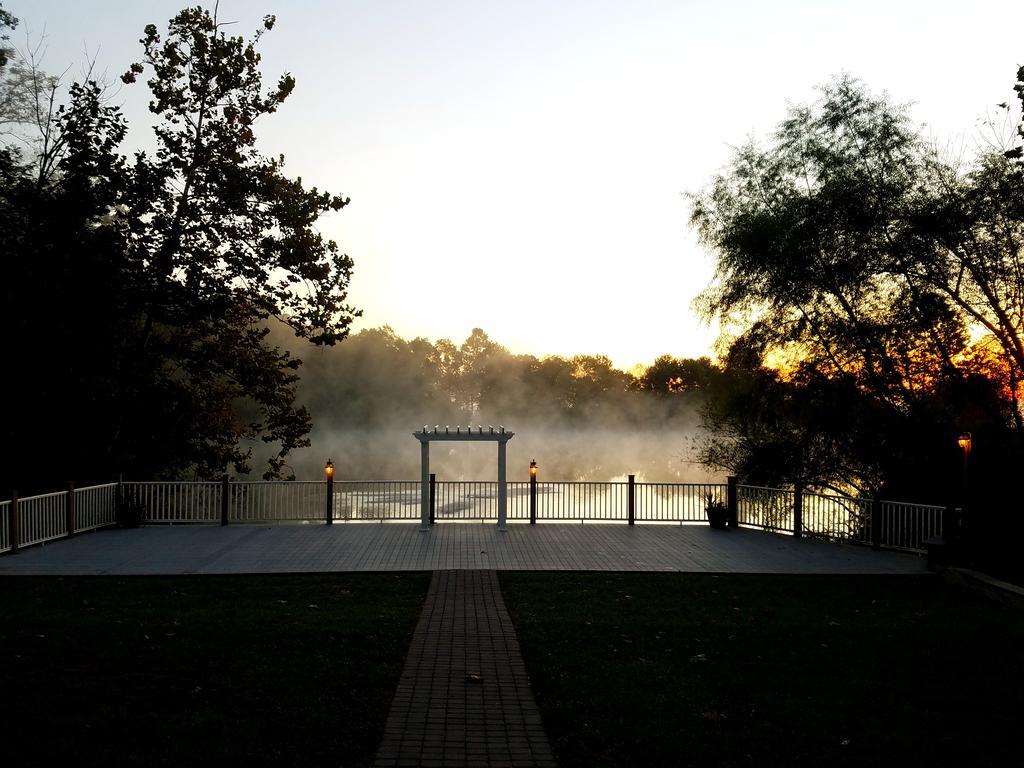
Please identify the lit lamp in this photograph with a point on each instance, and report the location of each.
(964, 441)
(329, 511)
(533, 492)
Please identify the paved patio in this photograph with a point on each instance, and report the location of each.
(451, 546)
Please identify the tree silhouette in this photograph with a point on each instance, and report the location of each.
(227, 241)
(139, 292)
(859, 263)
(7, 23)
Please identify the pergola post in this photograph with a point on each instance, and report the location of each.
(424, 485)
(502, 488)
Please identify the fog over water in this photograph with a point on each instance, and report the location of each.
(579, 418)
(591, 453)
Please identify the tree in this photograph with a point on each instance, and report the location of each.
(1017, 153)
(969, 231)
(855, 257)
(224, 242)
(141, 291)
(68, 293)
(670, 375)
(29, 109)
(7, 23)
(805, 235)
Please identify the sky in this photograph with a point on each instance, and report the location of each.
(521, 167)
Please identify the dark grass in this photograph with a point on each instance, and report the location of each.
(754, 670)
(233, 670)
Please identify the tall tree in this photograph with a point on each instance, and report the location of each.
(67, 291)
(225, 242)
(807, 233)
(139, 292)
(849, 252)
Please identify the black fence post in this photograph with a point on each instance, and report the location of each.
(69, 509)
(798, 509)
(225, 499)
(631, 499)
(533, 498)
(329, 510)
(433, 496)
(732, 501)
(876, 524)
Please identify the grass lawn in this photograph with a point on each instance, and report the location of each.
(233, 670)
(703, 670)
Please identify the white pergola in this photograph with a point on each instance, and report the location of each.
(461, 434)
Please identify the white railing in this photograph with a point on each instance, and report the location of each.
(768, 508)
(95, 507)
(908, 526)
(252, 502)
(42, 518)
(396, 500)
(676, 502)
(375, 501)
(465, 500)
(175, 502)
(45, 517)
(581, 501)
(902, 525)
(836, 518)
(5, 526)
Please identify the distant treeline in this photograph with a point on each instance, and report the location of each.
(580, 416)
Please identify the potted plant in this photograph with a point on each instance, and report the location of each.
(717, 511)
(129, 512)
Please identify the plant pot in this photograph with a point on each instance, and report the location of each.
(129, 512)
(718, 517)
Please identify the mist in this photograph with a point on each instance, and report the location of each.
(579, 418)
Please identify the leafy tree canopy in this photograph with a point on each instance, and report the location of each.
(7, 23)
(140, 289)
(867, 268)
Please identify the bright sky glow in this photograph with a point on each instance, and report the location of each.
(519, 167)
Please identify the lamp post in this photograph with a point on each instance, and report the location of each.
(533, 492)
(329, 471)
(964, 441)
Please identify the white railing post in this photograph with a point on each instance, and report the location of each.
(69, 510)
(15, 534)
(502, 488)
(424, 485)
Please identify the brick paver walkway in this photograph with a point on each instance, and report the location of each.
(464, 698)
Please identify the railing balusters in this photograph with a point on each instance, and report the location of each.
(900, 525)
